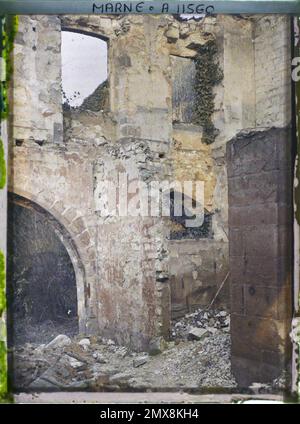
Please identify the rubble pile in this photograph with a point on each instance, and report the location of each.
(196, 357)
(211, 320)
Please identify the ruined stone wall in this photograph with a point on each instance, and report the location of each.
(178, 150)
(272, 71)
(122, 260)
(37, 94)
(54, 179)
(128, 265)
(260, 216)
(196, 271)
(260, 222)
(144, 141)
(204, 263)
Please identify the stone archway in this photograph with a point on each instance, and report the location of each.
(53, 256)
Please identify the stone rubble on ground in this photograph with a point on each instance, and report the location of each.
(211, 320)
(140, 360)
(96, 363)
(197, 333)
(85, 343)
(60, 341)
(157, 346)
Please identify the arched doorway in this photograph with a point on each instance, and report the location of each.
(41, 280)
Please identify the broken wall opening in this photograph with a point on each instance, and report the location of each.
(84, 70)
(132, 300)
(183, 85)
(41, 288)
(198, 259)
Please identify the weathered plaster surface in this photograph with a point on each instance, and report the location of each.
(131, 270)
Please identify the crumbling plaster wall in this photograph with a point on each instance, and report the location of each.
(140, 56)
(201, 266)
(127, 262)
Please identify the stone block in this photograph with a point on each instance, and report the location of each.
(265, 271)
(237, 298)
(261, 301)
(260, 188)
(259, 214)
(266, 241)
(198, 333)
(236, 242)
(189, 137)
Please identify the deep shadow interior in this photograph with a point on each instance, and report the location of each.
(41, 283)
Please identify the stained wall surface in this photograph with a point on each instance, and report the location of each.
(132, 272)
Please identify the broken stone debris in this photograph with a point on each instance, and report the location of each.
(97, 363)
(85, 343)
(197, 333)
(140, 360)
(198, 356)
(212, 320)
(60, 341)
(157, 346)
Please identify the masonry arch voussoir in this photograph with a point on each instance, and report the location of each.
(68, 235)
(82, 31)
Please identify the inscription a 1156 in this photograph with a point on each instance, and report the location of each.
(146, 7)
